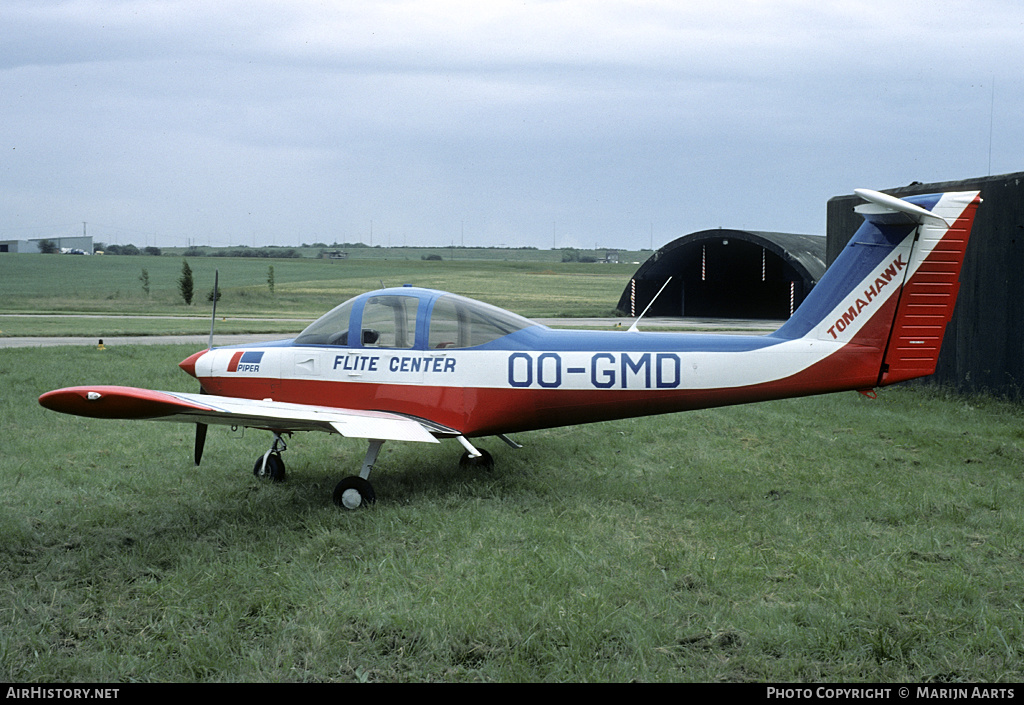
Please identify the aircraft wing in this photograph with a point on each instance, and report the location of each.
(115, 402)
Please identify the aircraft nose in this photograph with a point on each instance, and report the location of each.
(189, 363)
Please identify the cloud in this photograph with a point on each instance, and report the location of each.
(512, 121)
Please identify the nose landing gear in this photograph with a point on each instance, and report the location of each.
(270, 466)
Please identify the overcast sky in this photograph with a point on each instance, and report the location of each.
(489, 122)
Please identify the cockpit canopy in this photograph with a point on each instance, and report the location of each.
(412, 318)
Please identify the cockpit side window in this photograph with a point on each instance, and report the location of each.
(390, 321)
(457, 322)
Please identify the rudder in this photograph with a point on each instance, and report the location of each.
(928, 296)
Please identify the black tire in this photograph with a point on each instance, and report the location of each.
(484, 462)
(354, 492)
(274, 470)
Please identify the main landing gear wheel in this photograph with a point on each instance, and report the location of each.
(269, 467)
(483, 462)
(354, 492)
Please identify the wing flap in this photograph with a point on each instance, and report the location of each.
(112, 402)
(396, 429)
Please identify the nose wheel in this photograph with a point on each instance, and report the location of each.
(270, 465)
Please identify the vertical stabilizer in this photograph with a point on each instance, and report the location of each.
(890, 293)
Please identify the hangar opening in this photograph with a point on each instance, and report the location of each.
(727, 274)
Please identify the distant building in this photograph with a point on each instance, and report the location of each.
(81, 243)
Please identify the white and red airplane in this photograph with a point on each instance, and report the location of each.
(411, 364)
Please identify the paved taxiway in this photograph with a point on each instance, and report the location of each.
(706, 325)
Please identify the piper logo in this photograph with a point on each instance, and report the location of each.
(243, 361)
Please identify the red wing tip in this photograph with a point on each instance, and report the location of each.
(111, 402)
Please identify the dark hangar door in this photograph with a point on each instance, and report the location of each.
(732, 278)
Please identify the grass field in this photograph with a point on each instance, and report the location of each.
(825, 539)
(302, 287)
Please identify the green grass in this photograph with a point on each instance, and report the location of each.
(827, 539)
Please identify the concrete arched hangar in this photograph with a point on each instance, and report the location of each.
(727, 274)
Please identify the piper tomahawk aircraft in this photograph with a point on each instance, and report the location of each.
(411, 364)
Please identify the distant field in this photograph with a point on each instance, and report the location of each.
(448, 254)
(302, 287)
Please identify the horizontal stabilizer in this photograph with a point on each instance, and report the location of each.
(882, 202)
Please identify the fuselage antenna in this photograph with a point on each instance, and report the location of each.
(633, 328)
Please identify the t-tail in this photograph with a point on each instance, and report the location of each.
(889, 295)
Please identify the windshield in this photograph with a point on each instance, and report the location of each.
(330, 329)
